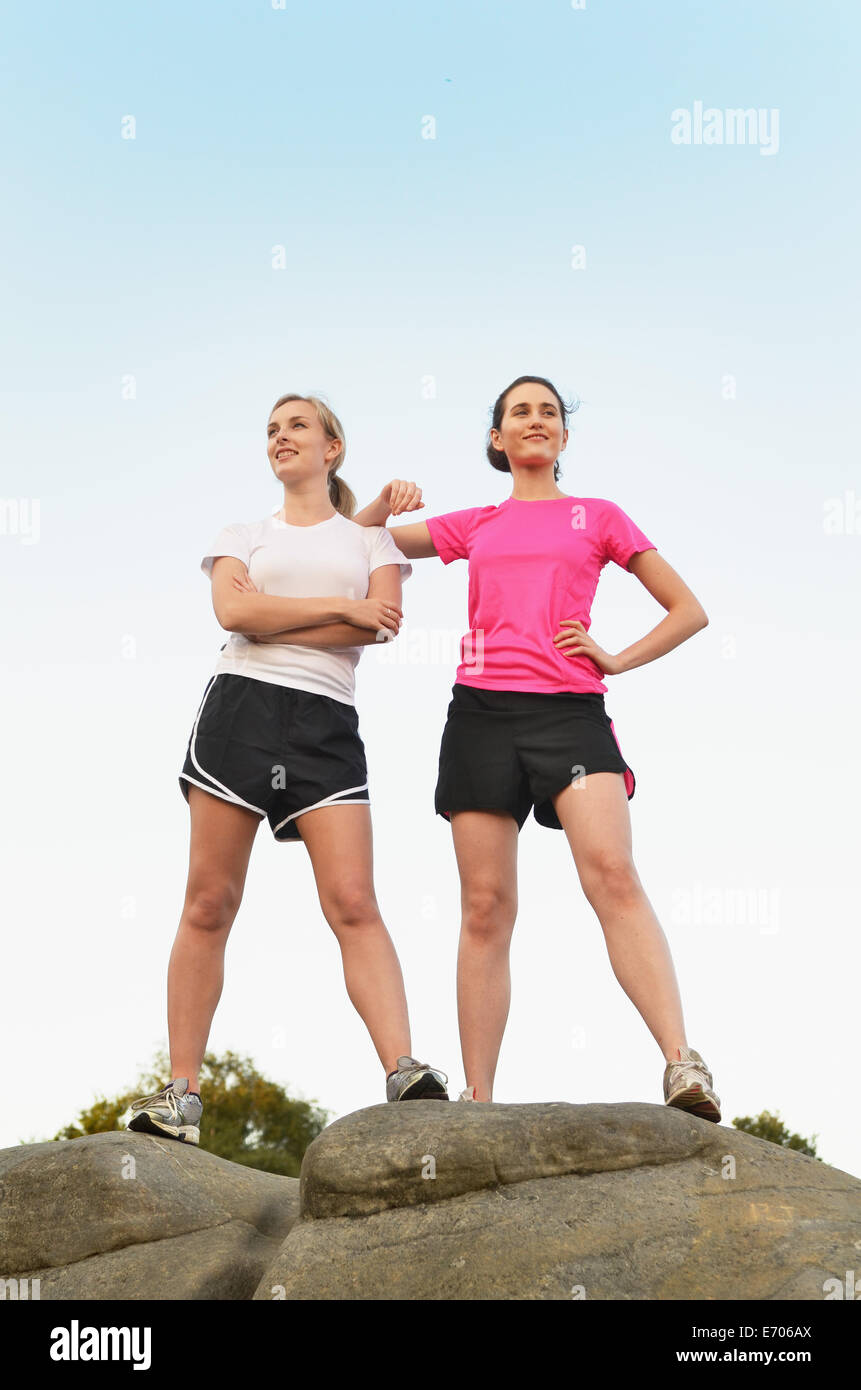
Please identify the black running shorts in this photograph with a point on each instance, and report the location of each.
(510, 750)
(275, 750)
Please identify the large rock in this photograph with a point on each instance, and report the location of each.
(428, 1201)
(555, 1201)
(128, 1216)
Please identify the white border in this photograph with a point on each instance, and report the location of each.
(234, 801)
(328, 801)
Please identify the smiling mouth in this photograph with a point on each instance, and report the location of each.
(535, 436)
(282, 453)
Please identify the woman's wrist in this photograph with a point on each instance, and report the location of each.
(381, 505)
(375, 514)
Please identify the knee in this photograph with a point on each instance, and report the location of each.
(488, 913)
(350, 905)
(611, 878)
(212, 908)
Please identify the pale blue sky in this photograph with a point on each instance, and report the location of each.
(712, 335)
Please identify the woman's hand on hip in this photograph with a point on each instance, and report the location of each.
(572, 639)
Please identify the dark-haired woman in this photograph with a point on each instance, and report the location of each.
(527, 727)
(276, 738)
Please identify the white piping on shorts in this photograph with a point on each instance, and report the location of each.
(327, 801)
(234, 800)
(226, 794)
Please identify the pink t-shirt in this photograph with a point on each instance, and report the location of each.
(531, 564)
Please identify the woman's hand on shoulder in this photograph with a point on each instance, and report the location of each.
(396, 497)
(400, 496)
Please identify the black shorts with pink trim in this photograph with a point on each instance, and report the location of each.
(512, 750)
(275, 750)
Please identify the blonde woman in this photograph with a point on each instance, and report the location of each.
(276, 736)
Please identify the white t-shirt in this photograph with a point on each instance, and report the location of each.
(337, 556)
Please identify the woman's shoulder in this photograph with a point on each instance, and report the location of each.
(355, 530)
(237, 527)
(606, 502)
(470, 513)
(603, 506)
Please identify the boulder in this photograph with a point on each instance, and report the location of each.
(556, 1201)
(423, 1201)
(121, 1215)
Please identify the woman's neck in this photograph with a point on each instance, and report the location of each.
(304, 509)
(535, 487)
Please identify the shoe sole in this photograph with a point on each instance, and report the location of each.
(425, 1088)
(146, 1124)
(694, 1099)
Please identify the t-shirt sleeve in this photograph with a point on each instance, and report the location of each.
(622, 536)
(384, 551)
(451, 533)
(231, 540)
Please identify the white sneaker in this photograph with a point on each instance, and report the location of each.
(416, 1081)
(688, 1085)
(170, 1112)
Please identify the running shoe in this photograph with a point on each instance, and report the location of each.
(688, 1085)
(169, 1112)
(416, 1081)
(468, 1094)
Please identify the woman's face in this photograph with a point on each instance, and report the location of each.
(299, 449)
(531, 431)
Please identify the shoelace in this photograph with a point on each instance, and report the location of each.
(425, 1066)
(679, 1068)
(168, 1095)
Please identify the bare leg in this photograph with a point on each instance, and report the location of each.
(594, 815)
(339, 842)
(485, 843)
(221, 838)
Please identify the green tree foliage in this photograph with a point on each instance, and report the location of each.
(772, 1128)
(246, 1118)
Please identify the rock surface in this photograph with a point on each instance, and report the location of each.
(129, 1216)
(558, 1201)
(425, 1201)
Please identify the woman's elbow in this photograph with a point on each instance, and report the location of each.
(227, 617)
(692, 613)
